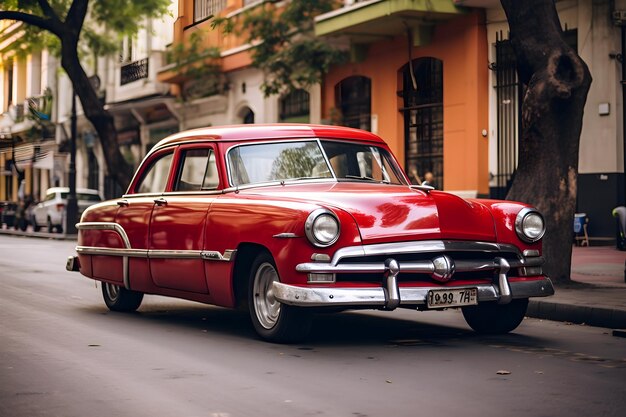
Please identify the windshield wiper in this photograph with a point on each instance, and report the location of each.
(357, 177)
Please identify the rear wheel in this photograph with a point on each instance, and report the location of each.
(120, 299)
(493, 318)
(272, 320)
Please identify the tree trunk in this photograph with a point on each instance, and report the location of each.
(556, 82)
(101, 119)
(68, 32)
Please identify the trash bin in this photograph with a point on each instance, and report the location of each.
(620, 214)
(580, 229)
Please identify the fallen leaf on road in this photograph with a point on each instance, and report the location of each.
(503, 372)
(93, 345)
(539, 372)
(388, 381)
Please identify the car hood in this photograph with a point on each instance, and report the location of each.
(386, 213)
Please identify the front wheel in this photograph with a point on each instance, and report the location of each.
(272, 320)
(120, 299)
(493, 318)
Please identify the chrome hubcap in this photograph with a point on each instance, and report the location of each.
(112, 290)
(266, 307)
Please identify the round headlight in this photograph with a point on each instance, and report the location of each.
(529, 225)
(322, 228)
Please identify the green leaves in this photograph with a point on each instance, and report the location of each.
(106, 22)
(286, 48)
(124, 17)
(198, 66)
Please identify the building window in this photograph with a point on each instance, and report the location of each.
(509, 93)
(353, 99)
(422, 93)
(294, 107)
(9, 85)
(203, 9)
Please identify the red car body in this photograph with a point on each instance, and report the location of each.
(236, 242)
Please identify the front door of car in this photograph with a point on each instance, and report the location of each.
(135, 212)
(179, 221)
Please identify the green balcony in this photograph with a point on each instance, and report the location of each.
(374, 20)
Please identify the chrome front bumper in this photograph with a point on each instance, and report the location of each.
(378, 297)
(441, 268)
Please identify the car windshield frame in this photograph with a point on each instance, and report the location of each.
(382, 157)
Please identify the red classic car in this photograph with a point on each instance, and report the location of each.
(285, 220)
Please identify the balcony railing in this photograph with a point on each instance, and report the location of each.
(134, 71)
(205, 8)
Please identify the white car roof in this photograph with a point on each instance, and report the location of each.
(67, 190)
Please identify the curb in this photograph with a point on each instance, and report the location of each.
(39, 235)
(592, 316)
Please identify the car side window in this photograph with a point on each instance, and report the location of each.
(198, 171)
(155, 178)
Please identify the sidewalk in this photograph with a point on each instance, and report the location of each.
(596, 296)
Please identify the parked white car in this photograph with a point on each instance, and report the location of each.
(51, 212)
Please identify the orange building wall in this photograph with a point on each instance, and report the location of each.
(213, 37)
(461, 44)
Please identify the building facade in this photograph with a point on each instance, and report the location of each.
(595, 30)
(28, 108)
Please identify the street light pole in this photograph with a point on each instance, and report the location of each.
(71, 213)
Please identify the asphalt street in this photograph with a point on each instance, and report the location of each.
(62, 353)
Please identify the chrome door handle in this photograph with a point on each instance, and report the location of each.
(122, 203)
(160, 201)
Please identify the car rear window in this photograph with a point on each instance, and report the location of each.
(83, 197)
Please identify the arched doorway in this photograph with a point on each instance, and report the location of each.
(353, 99)
(422, 94)
(245, 115)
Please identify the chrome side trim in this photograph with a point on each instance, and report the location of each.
(229, 255)
(95, 250)
(176, 254)
(129, 252)
(375, 297)
(106, 226)
(121, 232)
(158, 254)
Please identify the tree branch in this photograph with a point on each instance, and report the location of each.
(76, 15)
(47, 10)
(30, 19)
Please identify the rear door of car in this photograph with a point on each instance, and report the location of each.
(134, 216)
(179, 220)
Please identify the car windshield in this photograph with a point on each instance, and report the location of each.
(293, 161)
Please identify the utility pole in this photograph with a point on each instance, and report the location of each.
(71, 213)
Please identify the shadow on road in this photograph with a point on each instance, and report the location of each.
(329, 330)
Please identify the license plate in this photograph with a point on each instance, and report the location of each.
(445, 298)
